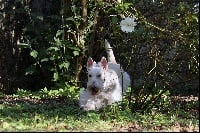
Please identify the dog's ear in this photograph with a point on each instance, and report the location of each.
(89, 62)
(104, 63)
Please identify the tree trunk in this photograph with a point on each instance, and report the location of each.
(9, 53)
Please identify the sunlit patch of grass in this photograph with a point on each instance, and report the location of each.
(62, 114)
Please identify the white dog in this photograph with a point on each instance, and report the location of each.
(105, 81)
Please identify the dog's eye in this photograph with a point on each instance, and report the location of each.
(99, 75)
(90, 75)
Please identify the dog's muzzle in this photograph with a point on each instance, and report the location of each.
(94, 90)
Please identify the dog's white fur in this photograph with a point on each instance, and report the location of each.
(105, 81)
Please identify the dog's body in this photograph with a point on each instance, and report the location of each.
(105, 81)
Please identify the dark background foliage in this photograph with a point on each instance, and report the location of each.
(46, 44)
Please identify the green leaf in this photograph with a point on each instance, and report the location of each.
(73, 48)
(44, 59)
(40, 18)
(70, 18)
(55, 76)
(59, 32)
(195, 18)
(30, 70)
(52, 48)
(64, 65)
(34, 53)
(52, 58)
(127, 5)
(76, 53)
(114, 20)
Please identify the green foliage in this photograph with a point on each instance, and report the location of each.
(67, 91)
(161, 55)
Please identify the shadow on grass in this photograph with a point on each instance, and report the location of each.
(62, 109)
(19, 107)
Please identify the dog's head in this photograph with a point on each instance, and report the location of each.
(96, 75)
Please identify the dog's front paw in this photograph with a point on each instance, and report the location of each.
(88, 107)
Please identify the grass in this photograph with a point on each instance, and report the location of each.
(27, 111)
